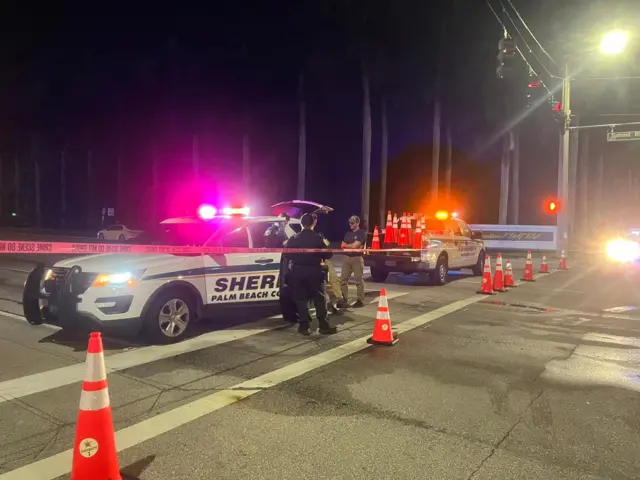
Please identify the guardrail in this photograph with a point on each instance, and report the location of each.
(518, 237)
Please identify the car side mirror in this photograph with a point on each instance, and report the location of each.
(476, 235)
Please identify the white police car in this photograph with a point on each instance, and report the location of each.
(165, 293)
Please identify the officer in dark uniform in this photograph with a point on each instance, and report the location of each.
(308, 276)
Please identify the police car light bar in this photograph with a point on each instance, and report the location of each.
(442, 215)
(235, 211)
(207, 212)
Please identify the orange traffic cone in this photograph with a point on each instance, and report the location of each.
(375, 243)
(388, 230)
(417, 237)
(544, 268)
(528, 269)
(508, 276)
(94, 451)
(396, 233)
(382, 333)
(402, 233)
(498, 278)
(410, 229)
(486, 287)
(563, 261)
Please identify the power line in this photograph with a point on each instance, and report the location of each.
(504, 10)
(531, 33)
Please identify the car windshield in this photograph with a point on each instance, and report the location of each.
(180, 234)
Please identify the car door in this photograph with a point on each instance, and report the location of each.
(469, 248)
(457, 242)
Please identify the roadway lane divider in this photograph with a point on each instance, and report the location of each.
(71, 248)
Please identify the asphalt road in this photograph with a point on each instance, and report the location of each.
(539, 382)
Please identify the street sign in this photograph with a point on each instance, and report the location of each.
(111, 212)
(622, 136)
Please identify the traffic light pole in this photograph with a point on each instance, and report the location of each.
(563, 220)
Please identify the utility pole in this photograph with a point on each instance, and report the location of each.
(435, 162)
(448, 163)
(515, 179)
(563, 219)
(504, 177)
(63, 186)
(366, 146)
(302, 139)
(384, 160)
(36, 172)
(195, 157)
(89, 205)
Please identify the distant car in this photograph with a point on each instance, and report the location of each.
(118, 232)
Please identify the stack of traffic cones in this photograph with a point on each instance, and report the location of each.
(396, 234)
(508, 276)
(382, 332)
(486, 286)
(417, 237)
(388, 230)
(544, 267)
(498, 278)
(94, 451)
(402, 237)
(528, 269)
(375, 243)
(563, 261)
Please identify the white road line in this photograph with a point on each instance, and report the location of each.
(4, 313)
(390, 296)
(59, 377)
(60, 464)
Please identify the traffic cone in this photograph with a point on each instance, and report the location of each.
(544, 268)
(401, 231)
(508, 276)
(486, 286)
(382, 332)
(498, 278)
(563, 261)
(388, 230)
(410, 229)
(528, 269)
(375, 243)
(94, 450)
(417, 237)
(396, 233)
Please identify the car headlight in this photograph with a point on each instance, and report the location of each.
(120, 279)
(623, 250)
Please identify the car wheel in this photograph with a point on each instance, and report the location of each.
(121, 238)
(379, 275)
(101, 236)
(169, 317)
(478, 268)
(439, 275)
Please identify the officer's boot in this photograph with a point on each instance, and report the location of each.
(326, 329)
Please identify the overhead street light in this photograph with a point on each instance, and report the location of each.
(614, 42)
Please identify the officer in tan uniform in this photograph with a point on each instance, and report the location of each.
(353, 263)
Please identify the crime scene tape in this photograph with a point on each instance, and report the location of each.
(69, 248)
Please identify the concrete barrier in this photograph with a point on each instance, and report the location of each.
(518, 237)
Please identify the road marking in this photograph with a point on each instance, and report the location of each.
(60, 464)
(390, 296)
(59, 377)
(13, 316)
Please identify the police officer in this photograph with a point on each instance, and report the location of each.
(308, 276)
(353, 263)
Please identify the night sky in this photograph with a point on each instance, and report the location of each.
(138, 83)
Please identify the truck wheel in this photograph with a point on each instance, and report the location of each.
(478, 268)
(379, 275)
(169, 316)
(439, 275)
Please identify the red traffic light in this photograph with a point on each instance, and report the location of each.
(553, 206)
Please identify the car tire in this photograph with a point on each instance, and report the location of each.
(478, 268)
(160, 316)
(121, 238)
(439, 275)
(101, 236)
(379, 275)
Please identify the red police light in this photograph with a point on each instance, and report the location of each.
(535, 84)
(553, 206)
(557, 107)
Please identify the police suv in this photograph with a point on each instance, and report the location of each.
(165, 293)
(447, 244)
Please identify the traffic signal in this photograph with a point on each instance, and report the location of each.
(506, 57)
(553, 206)
(534, 86)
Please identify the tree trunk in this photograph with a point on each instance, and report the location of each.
(195, 157)
(384, 160)
(120, 186)
(435, 161)
(515, 179)
(16, 182)
(302, 140)
(366, 148)
(63, 187)
(36, 176)
(583, 172)
(89, 206)
(156, 183)
(449, 163)
(504, 178)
